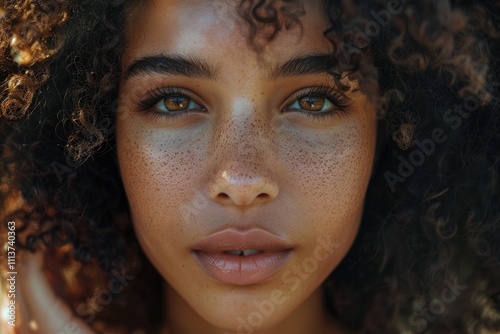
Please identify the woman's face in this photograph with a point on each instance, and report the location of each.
(256, 151)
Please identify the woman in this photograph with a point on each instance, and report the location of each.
(251, 166)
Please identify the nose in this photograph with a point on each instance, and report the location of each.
(243, 184)
(243, 159)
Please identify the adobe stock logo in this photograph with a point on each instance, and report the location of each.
(425, 314)
(101, 298)
(381, 19)
(425, 148)
(373, 28)
(104, 297)
(292, 280)
(194, 208)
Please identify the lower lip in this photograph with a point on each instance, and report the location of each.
(242, 270)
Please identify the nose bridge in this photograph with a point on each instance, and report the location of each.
(241, 165)
(242, 133)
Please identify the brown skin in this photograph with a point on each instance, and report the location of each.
(277, 169)
(242, 157)
(300, 178)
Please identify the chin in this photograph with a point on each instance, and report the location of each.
(250, 311)
(247, 321)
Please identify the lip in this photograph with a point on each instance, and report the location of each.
(241, 270)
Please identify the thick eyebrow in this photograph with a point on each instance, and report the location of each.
(308, 64)
(170, 65)
(195, 67)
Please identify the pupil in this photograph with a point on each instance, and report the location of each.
(176, 103)
(313, 103)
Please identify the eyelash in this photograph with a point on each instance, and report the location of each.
(153, 97)
(341, 102)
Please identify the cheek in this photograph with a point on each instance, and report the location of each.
(330, 174)
(332, 169)
(159, 175)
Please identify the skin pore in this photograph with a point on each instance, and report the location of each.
(256, 140)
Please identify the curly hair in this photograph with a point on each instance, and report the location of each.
(431, 217)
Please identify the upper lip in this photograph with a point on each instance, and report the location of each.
(231, 239)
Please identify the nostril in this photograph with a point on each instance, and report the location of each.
(262, 195)
(223, 195)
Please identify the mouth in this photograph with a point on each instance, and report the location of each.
(243, 252)
(242, 258)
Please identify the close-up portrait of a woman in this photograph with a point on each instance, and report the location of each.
(249, 166)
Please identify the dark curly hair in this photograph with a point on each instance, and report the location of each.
(431, 218)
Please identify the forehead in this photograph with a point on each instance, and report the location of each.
(217, 29)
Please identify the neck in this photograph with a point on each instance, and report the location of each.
(310, 317)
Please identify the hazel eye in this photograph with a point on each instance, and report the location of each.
(176, 102)
(312, 103)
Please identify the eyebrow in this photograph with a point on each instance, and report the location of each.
(307, 64)
(171, 65)
(196, 67)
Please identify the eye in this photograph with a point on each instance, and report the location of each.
(312, 103)
(320, 102)
(169, 102)
(176, 103)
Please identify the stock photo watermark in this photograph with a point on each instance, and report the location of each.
(97, 302)
(425, 148)
(194, 208)
(380, 19)
(427, 313)
(292, 280)
(104, 297)
(9, 310)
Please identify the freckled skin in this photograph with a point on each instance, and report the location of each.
(243, 162)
